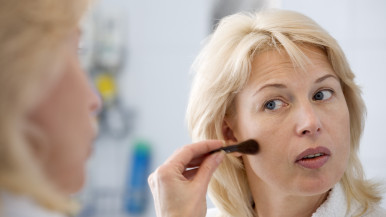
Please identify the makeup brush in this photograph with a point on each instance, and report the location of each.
(247, 147)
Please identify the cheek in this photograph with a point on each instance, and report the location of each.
(66, 141)
(67, 169)
(340, 136)
(272, 135)
(271, 164)
(336, 123)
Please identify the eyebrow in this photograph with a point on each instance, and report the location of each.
(282, 86)
(325, 77)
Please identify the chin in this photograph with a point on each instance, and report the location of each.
(315, 187)
(76, 183)
(75, 188)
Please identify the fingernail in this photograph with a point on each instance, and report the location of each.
(223, 142)
(219, 157)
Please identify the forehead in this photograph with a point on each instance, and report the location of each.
(275, 62)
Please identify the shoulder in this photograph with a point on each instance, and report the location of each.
(212, 212)
(336, 205)
(375, 212)
(21, 206)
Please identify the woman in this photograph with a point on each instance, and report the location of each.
(279, 78)
(47, 108)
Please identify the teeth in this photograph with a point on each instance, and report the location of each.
(313, 155)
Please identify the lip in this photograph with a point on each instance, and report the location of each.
(91, 144)
(94, 135)
(89, 151)
(313, 163)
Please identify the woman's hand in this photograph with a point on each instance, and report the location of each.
(179, 186)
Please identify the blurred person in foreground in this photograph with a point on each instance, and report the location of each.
(47, 107)
(279, 78)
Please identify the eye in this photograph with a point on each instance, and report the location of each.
(274, 104)
(322, 95)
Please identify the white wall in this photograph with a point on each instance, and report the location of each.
(164, 38)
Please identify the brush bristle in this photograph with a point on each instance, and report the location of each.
(248, 147)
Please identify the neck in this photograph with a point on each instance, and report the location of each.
(289, 206)
(270, 202)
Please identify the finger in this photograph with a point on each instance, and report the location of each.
(197, 161)
(207, 168)
(181, 158)
(150, 181)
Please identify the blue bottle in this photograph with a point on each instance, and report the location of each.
(136, 195)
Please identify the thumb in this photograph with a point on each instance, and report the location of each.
(208, 167)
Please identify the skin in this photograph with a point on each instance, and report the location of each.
(278, 107)
(178, 192)
(66, 116)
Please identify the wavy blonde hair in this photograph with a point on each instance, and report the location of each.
(222, 70)
(32, 34)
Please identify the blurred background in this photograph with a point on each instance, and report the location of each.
(139, 53)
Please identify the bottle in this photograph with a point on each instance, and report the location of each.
(136, 195)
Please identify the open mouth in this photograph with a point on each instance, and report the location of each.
(313, 158)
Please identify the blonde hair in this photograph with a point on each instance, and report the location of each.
(32, 34)
(222, 70)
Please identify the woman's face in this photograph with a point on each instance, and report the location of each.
(67, 118)
(301, 121)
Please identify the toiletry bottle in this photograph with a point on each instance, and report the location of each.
(136, 195)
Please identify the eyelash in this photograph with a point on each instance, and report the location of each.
(324, 89)
(264, 108)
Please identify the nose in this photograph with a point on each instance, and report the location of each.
(308, 121)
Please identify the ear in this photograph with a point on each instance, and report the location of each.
(229, 135)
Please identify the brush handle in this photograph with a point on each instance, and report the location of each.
(227, 149)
